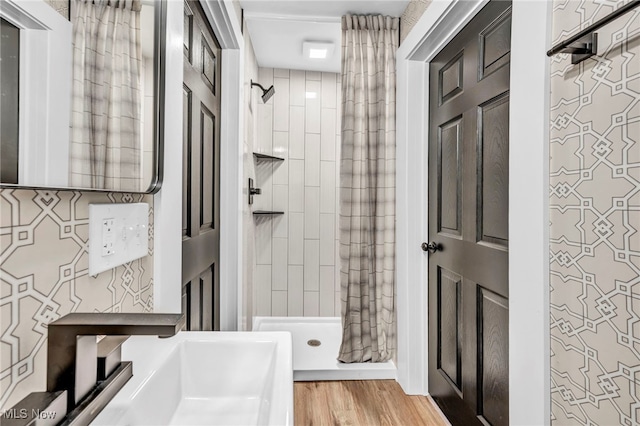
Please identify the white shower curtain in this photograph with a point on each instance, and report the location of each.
(105, 147)
(367, 188)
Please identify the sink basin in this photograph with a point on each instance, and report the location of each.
(206, 378)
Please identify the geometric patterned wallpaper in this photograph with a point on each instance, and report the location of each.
(595, 221)
(412, 13)
(44, 275)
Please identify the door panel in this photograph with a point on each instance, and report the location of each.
(493, 341)
(493, 168)
(450, 81)
(468, 219)
(450, 322)
(201, 185)
(495, 45)
(207, 167)
(450, 177)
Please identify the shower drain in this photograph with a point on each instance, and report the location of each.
(314, 342)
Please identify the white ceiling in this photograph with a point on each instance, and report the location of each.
(278, 28)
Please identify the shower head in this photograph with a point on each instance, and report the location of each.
(266, 93)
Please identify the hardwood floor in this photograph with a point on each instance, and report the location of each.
(362, 403)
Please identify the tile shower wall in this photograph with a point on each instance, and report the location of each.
(595, 221)
(297, 262)
(44, 275)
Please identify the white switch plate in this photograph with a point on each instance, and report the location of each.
(118, 233)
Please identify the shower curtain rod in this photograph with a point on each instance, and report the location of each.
(584, 44)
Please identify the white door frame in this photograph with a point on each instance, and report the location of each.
(168, 201)
(529, 357)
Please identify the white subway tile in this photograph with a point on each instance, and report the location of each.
(263, 240)
(265, 77)
(296, 132)
(312, 212)
(279, 268)
(327, 187)
(311, 304)
(329, 89)
(264, 181)
(296, 238)
(281, 144)
(280, 149)
(264, 141)
(338, 119)
(279, 303)
(327, 292)
(280, 72)
(280, 203)
(281, 105)
(327, 239)
(311, 265)
(263, 290)
(312, 110)
(313, 75)
(339, 91)
(297, 88)
(338, 265)
(280, 225)
(281, 172)
(337, 201)
(312, 160)
(281, 198)
(296, 290)
(338, 305)
(328, 134)
(296, 185)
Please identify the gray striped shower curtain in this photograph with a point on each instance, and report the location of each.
(106, 147)
(367, 188)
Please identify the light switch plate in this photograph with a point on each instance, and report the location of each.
(118, 233)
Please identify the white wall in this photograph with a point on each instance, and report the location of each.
(248, 224)
(297, 263)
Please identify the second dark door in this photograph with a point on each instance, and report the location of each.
(468, 221)
(201, 172)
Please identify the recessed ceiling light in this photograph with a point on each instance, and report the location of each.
(310, 95)
(317, 53)
(317, 49)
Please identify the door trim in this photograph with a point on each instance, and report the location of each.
(529, 334)
(167, 213)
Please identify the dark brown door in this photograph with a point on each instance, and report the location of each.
(201, 173)
(468, 221)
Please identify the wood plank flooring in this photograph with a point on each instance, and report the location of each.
(362, 403)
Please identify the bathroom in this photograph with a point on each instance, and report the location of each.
(570, 284)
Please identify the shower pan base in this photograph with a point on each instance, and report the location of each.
(316, 341)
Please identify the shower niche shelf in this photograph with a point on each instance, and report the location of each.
(266, 213)
(264, 157)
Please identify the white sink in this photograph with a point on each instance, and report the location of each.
(206, 378)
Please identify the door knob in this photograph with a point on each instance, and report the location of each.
(431, 247)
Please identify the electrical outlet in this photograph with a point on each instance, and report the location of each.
(118, 233)
(108, 236)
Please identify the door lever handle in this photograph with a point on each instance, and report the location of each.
(431, 247)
